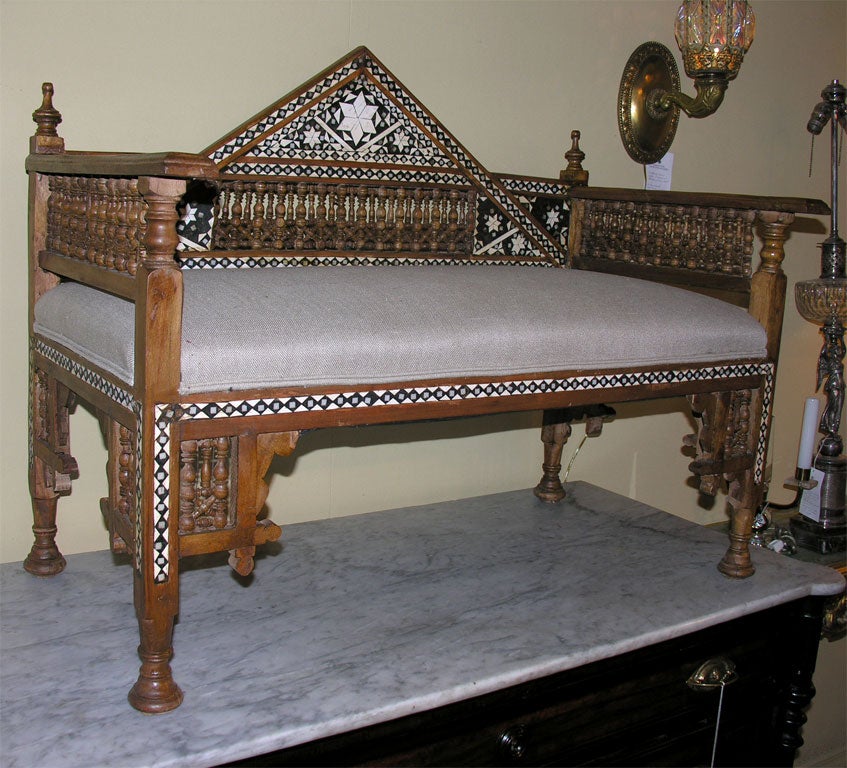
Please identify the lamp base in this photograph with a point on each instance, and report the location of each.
(829, 534)
(811, 535)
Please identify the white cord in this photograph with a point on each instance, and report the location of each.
(573, 458)
(717, 725)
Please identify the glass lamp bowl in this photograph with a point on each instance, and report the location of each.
(714, 35)
(822, 300)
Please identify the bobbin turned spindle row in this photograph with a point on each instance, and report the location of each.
(287, 215)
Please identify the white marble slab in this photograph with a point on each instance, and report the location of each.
(358, 620)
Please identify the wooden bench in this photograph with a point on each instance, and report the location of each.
(340, 259)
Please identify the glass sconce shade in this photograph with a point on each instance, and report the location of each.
(714, 35)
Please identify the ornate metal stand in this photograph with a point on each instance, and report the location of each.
(824, 302)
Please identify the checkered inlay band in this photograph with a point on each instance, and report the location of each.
(352, 260)
(522, 186)
(113, 391)
(364, 174)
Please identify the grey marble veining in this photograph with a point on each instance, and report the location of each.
(358, 620)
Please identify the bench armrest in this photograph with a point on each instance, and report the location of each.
(693, 239)
(180, 165)
(701, 241)
(703, 199)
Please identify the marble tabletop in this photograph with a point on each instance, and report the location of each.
(361, 619)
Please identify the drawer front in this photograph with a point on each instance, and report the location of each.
(652, 718)
(635, 709)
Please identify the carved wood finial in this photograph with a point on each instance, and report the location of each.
(47, 117)
(574, 173)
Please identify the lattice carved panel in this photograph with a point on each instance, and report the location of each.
(713, 240)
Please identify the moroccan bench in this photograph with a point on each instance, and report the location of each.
(338, 260)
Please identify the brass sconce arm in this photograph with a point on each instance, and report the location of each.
(710, 93)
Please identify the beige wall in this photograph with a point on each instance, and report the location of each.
(510, 80)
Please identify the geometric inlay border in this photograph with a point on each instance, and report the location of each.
(113, 391)
(198, 261)
(166, 415)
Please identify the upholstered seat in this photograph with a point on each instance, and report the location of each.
(246, 328)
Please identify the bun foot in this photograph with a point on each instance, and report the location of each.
(44, 559)
(549, 490)
(155, 691)
(736, 566)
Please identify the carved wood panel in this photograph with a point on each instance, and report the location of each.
(337, 217)
(52, 403)
(694, 238)
(725, 443)
(96, 220)
(207, 484)
(119, 508)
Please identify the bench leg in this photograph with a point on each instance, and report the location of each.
(743, 499)
(156, 607)
(555, 432)
(50, 468)
(731, 427)
(156, 564)
(44, 559)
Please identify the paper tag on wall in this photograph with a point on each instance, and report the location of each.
(659, 174)
(810, 502)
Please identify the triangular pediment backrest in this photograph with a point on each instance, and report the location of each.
(354, 136)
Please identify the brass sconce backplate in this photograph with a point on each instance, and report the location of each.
(647, 132)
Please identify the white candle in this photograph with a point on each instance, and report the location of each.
(807, 435)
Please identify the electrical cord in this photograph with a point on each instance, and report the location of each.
(791, 505)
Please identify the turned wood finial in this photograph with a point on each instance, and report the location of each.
(47, 117)
(574, 173)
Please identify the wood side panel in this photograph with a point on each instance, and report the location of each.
(118, 283)
(40, 280)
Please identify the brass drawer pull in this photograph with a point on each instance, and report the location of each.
(711, 674)
(513, 743)
(714, 673)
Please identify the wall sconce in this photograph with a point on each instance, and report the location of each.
(713, 36)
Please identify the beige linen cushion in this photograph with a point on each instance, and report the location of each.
(310, 326)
